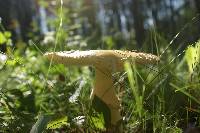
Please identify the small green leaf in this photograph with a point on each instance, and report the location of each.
(2, 38)
(7, 34)
(101, 107)
(192, 56)
(174, 130)
(109, 41)
(11, 62)
(98, 121)
(58, 123)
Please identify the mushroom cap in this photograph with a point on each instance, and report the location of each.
(105, 62)
(108, 59)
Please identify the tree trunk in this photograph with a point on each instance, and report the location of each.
(197, 4)
(116, 15)
(138, 22)
(172, 21)
(89, 13)
(153, 6)
(25, 17)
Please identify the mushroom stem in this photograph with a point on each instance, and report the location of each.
(104, 88)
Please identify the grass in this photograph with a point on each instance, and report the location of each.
(155, 99)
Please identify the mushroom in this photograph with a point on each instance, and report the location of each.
(105, 62)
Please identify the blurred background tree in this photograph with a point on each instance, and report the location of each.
(124, 23)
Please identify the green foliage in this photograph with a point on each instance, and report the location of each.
(2, 38)
(153, 101)
(131, 73)
(104, 111)
(109, 41)
(98, 122)
(5, 38)
(192, 56)
(58, 123)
